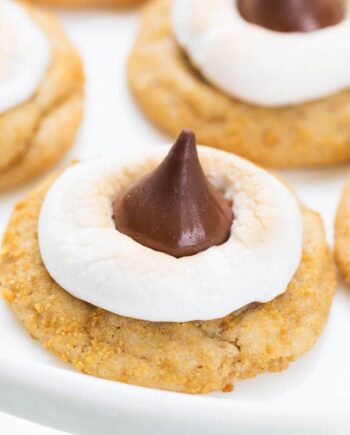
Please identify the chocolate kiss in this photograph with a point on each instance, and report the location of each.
(175, 209)
(293, 15)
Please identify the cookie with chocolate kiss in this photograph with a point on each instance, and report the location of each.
(191, 357)
(172, 93)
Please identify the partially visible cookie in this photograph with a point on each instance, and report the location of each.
(101, 3)
(36, 134)
(342, 233)
(192, 357)
(174, 95)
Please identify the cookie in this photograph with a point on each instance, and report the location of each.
(342, 234)
(174, 95)
(102, 3)
(191, 357)
(36, 134)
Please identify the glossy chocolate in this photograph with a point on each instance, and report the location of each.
(293, 15)
(175, 209)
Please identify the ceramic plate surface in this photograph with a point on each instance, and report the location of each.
(312, 397)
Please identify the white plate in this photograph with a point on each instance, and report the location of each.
(312, 397)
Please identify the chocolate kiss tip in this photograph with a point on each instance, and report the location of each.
(186, 137)
(293, 15)
(185, 143)
(175, 209)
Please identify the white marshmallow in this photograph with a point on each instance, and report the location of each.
(88, 257)
(25, 55)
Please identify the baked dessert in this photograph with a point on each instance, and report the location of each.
(41, 92)
(78, 3)
(267, 81)
(342, 233)
(169, 272)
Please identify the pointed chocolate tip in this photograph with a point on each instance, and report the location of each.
(187, 137)
(184, 147)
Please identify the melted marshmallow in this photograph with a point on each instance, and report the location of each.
(25, 55)
(258, 65)
(88, 257)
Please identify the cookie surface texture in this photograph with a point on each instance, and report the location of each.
(342, 233)
(88, 3)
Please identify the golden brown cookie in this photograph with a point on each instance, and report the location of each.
(173, 95)
(193, 357)
(36, 134)
(78, 3)
(342, 233)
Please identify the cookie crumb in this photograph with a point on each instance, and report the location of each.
(8, 296)
(228, 388)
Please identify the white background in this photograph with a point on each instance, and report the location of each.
(15, 426)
